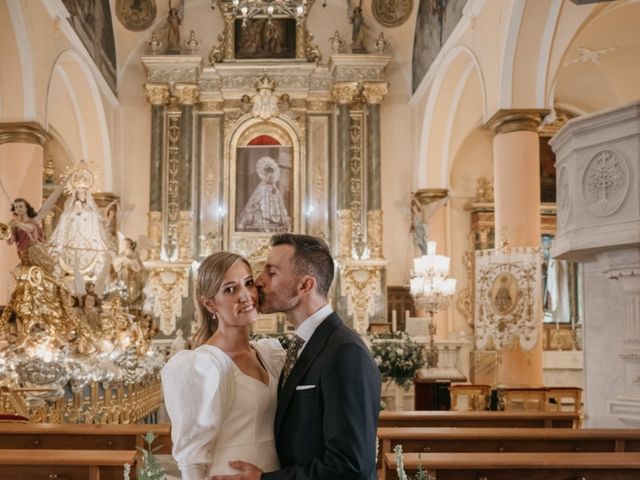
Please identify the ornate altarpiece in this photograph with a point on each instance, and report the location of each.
(327, 117)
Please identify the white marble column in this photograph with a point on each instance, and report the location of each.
(598, 185)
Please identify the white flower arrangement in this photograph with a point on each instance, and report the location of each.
(421, 474)
(398, 357)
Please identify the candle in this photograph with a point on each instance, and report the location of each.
(394, 320)
(431, 248)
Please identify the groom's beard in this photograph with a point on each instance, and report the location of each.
(283, 304)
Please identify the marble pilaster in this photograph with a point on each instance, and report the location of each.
(343, 94)
(158, 95)
(187, 97)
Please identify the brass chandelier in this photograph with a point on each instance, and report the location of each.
(247, 9)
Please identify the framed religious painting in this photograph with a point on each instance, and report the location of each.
(259, 38)
(264, 188)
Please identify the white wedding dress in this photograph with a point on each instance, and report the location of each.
(218, 414)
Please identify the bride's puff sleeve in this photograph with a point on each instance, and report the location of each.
(198, 391)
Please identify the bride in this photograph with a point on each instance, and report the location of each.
(221, 397)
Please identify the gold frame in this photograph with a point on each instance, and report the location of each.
(255, 244)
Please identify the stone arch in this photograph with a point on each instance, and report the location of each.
(460, 71)
(83, 123)
(17, 59)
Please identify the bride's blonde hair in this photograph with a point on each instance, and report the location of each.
(210, 275)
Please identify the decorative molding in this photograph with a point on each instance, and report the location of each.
(358, 67)
(172, 68)
(374, 233)
(185, 235)
(157, 93)
(605, 183)
(187, 93)
(587, 55)
(374, 92)
(361, 282)
(516, 120)
(23, 132)
(390, 13)
(345, 228)
(169, 283)
(344, 92)
(154, 232)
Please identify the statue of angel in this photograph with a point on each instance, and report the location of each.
(26, 230)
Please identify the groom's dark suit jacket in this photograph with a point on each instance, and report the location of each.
(327, 413)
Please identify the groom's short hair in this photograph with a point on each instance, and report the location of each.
(311, 256)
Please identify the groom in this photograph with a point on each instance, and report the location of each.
(329, 390)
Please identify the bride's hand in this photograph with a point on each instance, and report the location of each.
(248, 471)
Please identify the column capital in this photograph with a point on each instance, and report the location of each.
(508, 120)
(344, 92)
(23, 132)
(157, 93)
(187, 93)
(375, 92)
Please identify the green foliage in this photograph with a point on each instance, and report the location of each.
(149, 470)
(421, 474)
(398, 357)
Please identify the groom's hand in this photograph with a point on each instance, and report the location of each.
(248, 471)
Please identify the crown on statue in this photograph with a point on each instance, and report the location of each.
(80, 178)
(264, 82)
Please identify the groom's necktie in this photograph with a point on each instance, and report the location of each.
(294, 347)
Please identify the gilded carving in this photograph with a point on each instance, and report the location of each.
(355, 164)
(154, 232)
(374, 233)
(170, 284)
(173, 183)
(605, 183)
(320, 83)
(187, 94)
(157, 93)
(344, 92)
(211, 106)
(375, 92)
(216, 55)
(251, 247)
(318, 106)
(391, 13)
(360, 283)
(345, 219)
(381, 44)
(185, 235)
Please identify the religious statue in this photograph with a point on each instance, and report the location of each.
(27, 234)
(81, 241)
(418, 229)
(174, 20)
(357, 33)
(265, 210)
(128, 269)
(265, 103)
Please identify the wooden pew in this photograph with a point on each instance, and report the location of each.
(522, 466)
(82, 436)
(460, 440)
(426, 418)
(37, 464)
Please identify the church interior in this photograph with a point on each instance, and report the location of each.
(495, 271)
